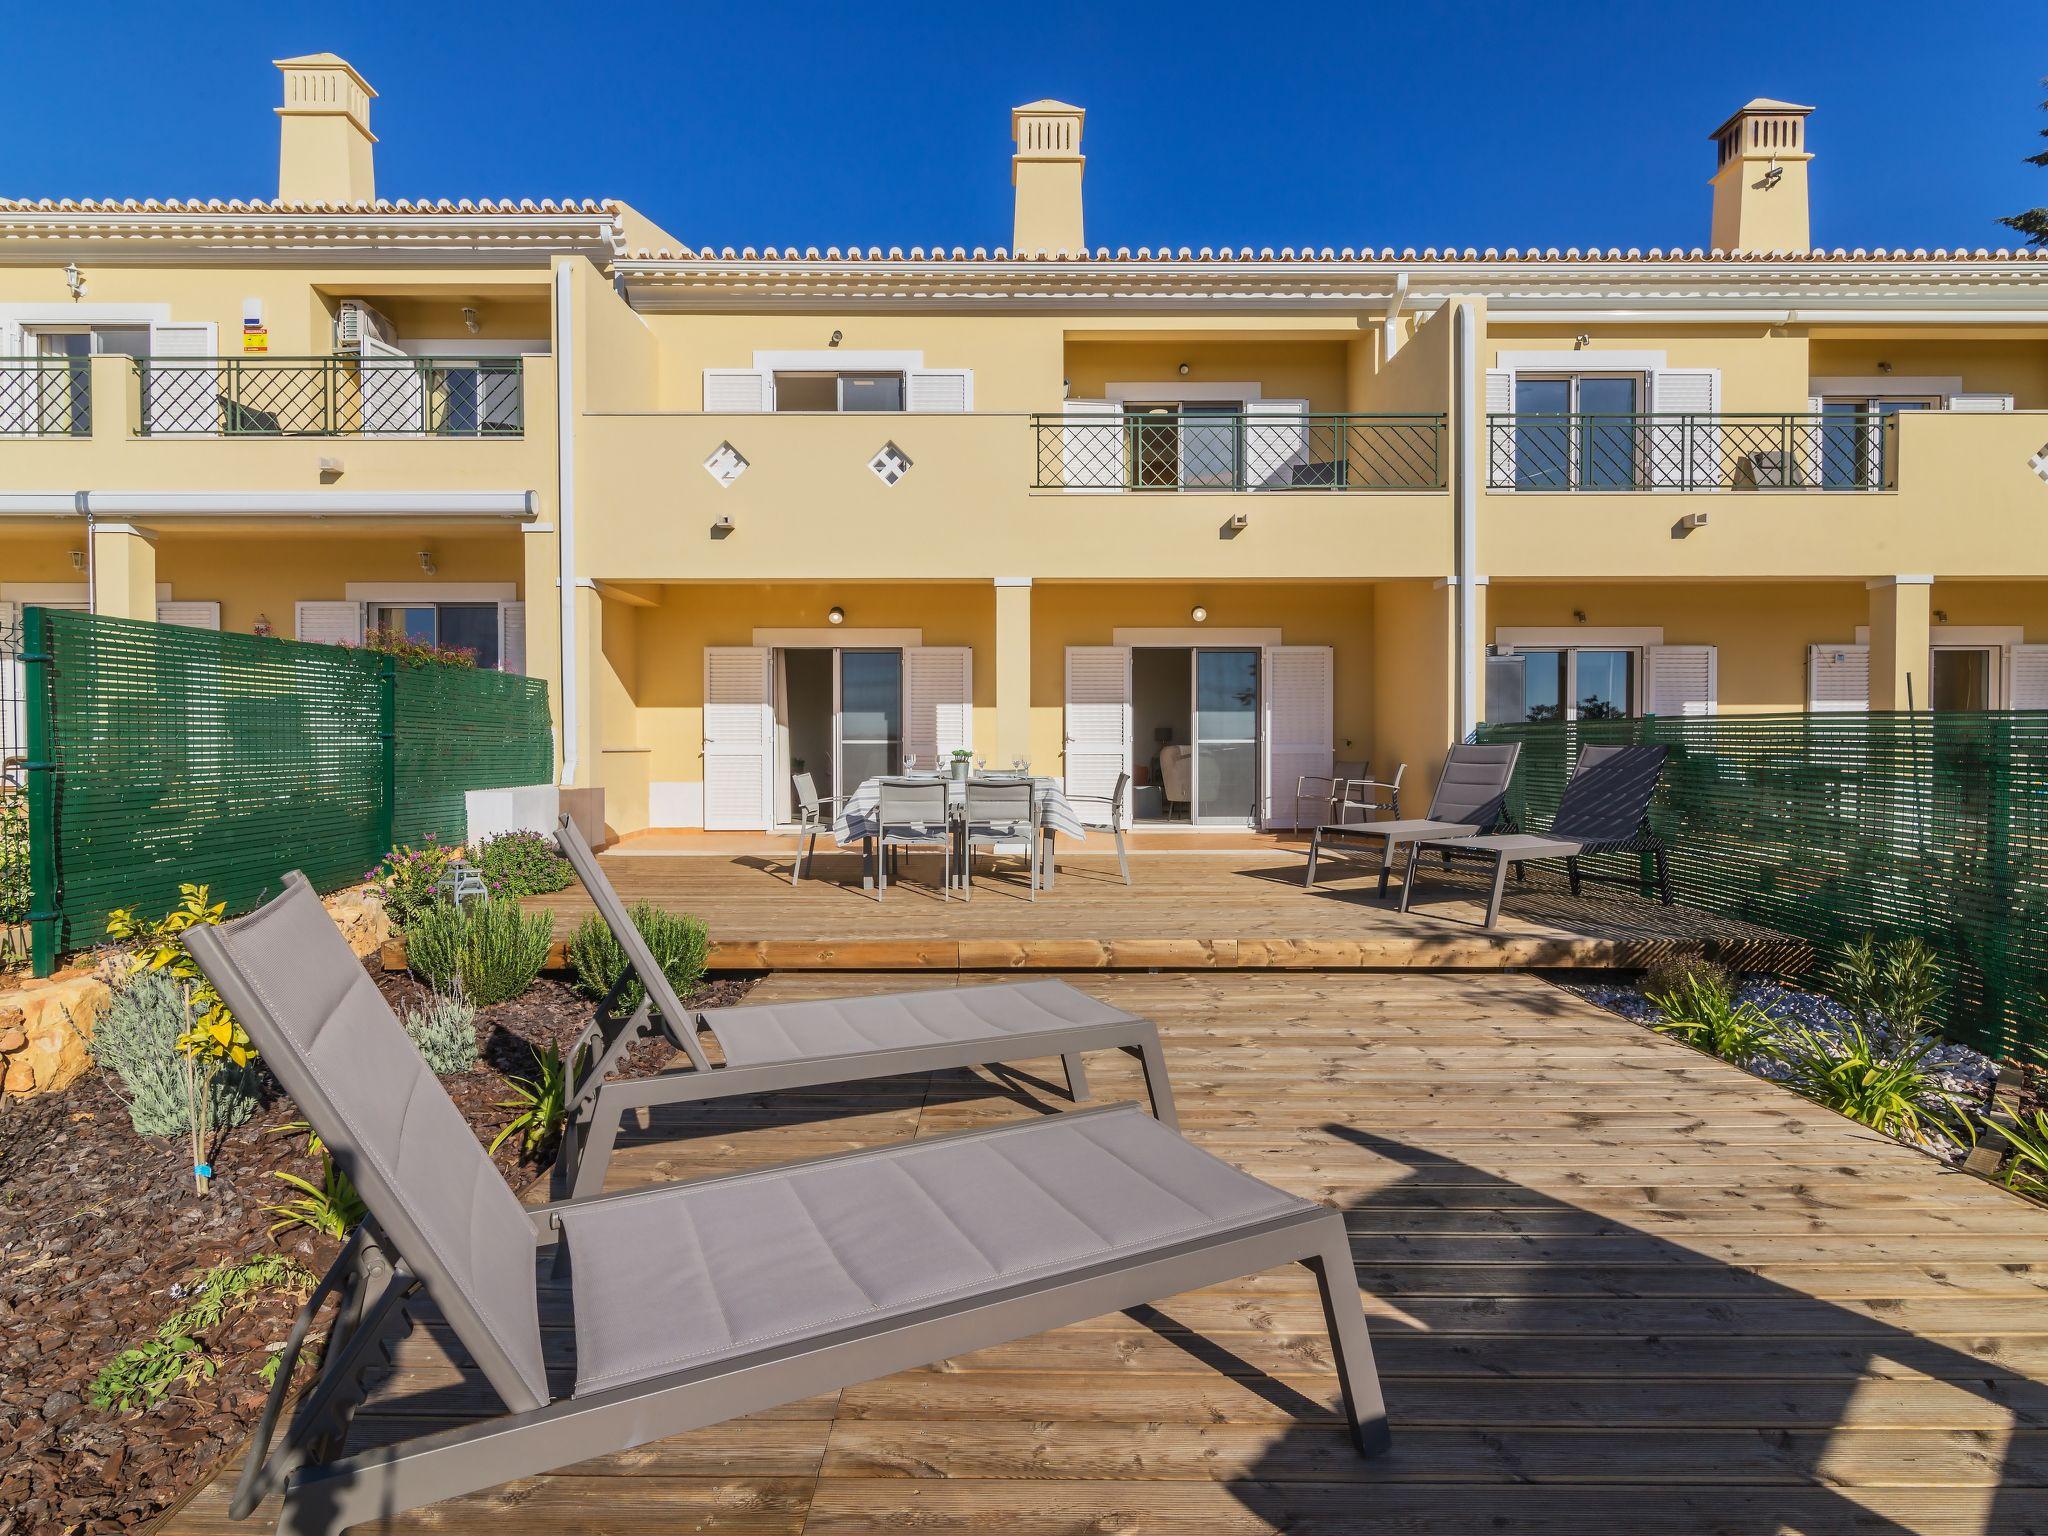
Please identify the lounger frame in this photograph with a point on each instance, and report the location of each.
(597, 1105)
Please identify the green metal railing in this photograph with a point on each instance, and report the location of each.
(331, 396)
(1826, 826)
(157, 754)
(1237, 451)
(45, 397)
(1792, 451)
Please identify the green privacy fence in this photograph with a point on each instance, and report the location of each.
(157, 754)
(1826, 826)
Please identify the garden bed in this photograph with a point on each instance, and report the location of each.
(102, 1236)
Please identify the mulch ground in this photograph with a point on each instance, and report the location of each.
(97, 1228)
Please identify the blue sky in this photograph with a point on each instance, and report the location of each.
(1245, 123)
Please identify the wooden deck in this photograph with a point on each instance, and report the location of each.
(1614, 1285)
(1205, 908)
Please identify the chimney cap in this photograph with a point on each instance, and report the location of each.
(1045, 106)
(1761, 106)
(327, 61)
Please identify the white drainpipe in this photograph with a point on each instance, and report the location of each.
(1390, 328)
(565, 508)
(1467, 527)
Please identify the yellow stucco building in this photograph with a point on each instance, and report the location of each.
(1212, 517)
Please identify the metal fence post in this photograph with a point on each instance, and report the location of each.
(42, 793)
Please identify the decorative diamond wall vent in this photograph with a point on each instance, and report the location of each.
(2039, 462)
(890, 465)
(725, 464)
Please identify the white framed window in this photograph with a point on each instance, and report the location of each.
(467, 626)
(838, 392)
(1578, 431)
(1603, 682)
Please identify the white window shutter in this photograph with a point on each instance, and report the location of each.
(1298, 731)
(938, 701)
(512, 638)
(188, 614)
(1685, 453)
(328, 623)
(177, 402)
(1499, 470)
(393, 388)
(1091, 454)
(2027, 677)
(739, 737)
(1275, 442)
(738, 389)
(1098, 720)
(938, 389)
(1838, 679)
(1682, 679)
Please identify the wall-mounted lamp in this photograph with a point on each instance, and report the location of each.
(1184, 370)
(837, 337)
(1199, 614)
(74, 280)
(78, 559)
(836, 615)
(1578, 615)
(427, 562)
(1884, 367)
(1940, 615)
(1581, 341)
(470, 322)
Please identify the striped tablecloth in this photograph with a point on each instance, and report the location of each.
(857, 816)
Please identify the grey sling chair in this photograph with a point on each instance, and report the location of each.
(1471, 797)
(770, 1047)
(699, 1302)
(1604, 809)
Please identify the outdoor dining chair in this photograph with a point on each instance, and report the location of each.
(1000, 813)
(813, 815)
(913, 813)
(1604, 809)
(1113, 804)
(1364, 798)
(1323, 793)
(701, 1301)
(1471, 797)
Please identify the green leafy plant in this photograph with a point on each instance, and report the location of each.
(521, 864)
(409, 879)
(444, 1030)
(1671, 975)
(416, 653)
(332, 1207)
(1703, 1010)
(490, 949)
(677, 941)
(1890, 1091)
(13, 855)
(2026, 1138)
(137, 1039)
(543, 1104)
(137, 1377)
(1892, 989)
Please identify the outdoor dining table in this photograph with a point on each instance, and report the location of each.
(1056, 818)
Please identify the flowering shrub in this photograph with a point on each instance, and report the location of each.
(407, 879)
(522, 864)
(416, 653)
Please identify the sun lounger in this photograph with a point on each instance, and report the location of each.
(1471, 797)
(698, 1302)
(771, 1047)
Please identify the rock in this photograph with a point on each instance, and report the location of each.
(60, 1406)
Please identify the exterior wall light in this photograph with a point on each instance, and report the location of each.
(74, 280)
(837, 337)
(1199, 614)
(427, 562)
(469, 320)
(1184, 370)
(836, 616)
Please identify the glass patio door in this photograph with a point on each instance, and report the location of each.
(870, 716)
(1226, 728)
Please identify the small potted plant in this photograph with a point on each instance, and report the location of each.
(963, 759)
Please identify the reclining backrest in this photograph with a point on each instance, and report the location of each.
(681, 1023)
(1608, 794)
(1474, 787)
(328, 1036)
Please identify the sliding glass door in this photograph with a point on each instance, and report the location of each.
(1226, 737)
(870, 716)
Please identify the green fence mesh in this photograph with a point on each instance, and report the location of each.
(180, 754)
(1827, 826)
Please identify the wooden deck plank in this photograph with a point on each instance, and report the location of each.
(1613, 1285)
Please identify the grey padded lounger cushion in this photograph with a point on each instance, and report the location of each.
(689, 1273)
(760, 1034)
(327, 1034)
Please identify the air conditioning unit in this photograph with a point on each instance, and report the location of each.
(355, 323)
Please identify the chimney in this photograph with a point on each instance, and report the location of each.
(1760, 179)
(324, 140)
(1046, 171)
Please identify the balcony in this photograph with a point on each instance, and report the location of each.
(45, 397)
(371, 397)
(1237, 451)
(1834, 450)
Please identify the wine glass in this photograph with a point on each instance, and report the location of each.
(910, 762)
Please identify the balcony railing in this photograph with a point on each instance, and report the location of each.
(331, 397)
(1847, 450)
(1237, 451)
(45, 397)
